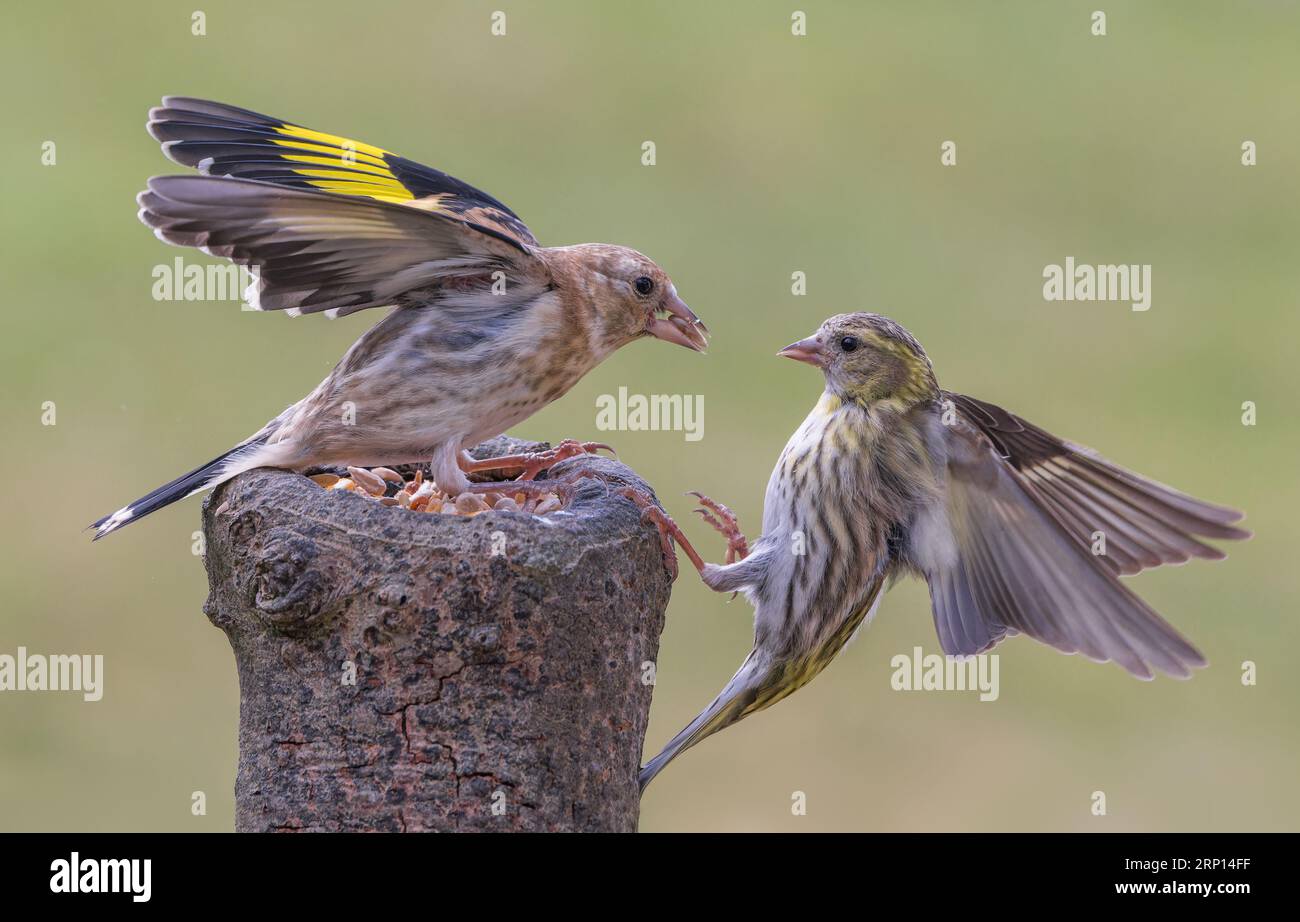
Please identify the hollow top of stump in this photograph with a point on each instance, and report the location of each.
(279, 526)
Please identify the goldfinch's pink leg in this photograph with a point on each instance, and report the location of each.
(532, 463)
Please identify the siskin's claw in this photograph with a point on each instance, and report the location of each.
(668, 530)
(724, 521)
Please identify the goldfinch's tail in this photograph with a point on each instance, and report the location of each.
(240, 458)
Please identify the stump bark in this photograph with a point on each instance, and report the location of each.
(404, 671)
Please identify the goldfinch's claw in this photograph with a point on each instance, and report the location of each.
(532, 463)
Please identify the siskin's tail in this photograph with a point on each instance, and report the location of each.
(762, 681)
(240, 458)
(757, 684)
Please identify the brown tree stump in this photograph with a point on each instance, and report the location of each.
(501, 661)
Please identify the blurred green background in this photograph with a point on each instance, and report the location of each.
(775, 154)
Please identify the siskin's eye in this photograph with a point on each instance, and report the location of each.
(849, 343)
(644, 285)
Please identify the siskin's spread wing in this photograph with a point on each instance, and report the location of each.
(1013, 550)
(1146, 523)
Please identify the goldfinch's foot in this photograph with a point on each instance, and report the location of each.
(532, 463)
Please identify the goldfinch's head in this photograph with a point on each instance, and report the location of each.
(634, 297)
(868, 358)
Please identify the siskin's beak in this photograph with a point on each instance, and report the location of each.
(681, 326)
(808, 350)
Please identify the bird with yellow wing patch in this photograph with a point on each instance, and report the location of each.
(487, 325)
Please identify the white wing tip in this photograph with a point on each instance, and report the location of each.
(253, 293)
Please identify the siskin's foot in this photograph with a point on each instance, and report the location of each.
(724, 520)
(668, 531)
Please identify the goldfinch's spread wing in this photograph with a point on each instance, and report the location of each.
(221, 140)
(325, 223)
(1011, 556)
(315, 252)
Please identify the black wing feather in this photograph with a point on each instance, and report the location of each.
(221, 140)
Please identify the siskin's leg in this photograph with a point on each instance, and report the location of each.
(716, 514)
(668, 531)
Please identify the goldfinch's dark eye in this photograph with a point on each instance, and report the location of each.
(644, 285)
(849, 343)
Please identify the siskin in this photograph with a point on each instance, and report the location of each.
(890, 475)
(488, 327)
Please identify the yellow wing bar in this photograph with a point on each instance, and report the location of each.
(341, 165)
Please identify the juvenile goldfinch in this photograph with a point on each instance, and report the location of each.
(488, 326)
(888, 475)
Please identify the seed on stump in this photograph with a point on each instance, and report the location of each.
(470, 504)
(549, 503)
(371, 483)
(387, 473)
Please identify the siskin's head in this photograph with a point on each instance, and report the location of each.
(868, 358)
(635, 298)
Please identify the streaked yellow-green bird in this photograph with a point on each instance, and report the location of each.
(890, 474)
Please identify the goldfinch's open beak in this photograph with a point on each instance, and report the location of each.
(680, 326)
(808, 350)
